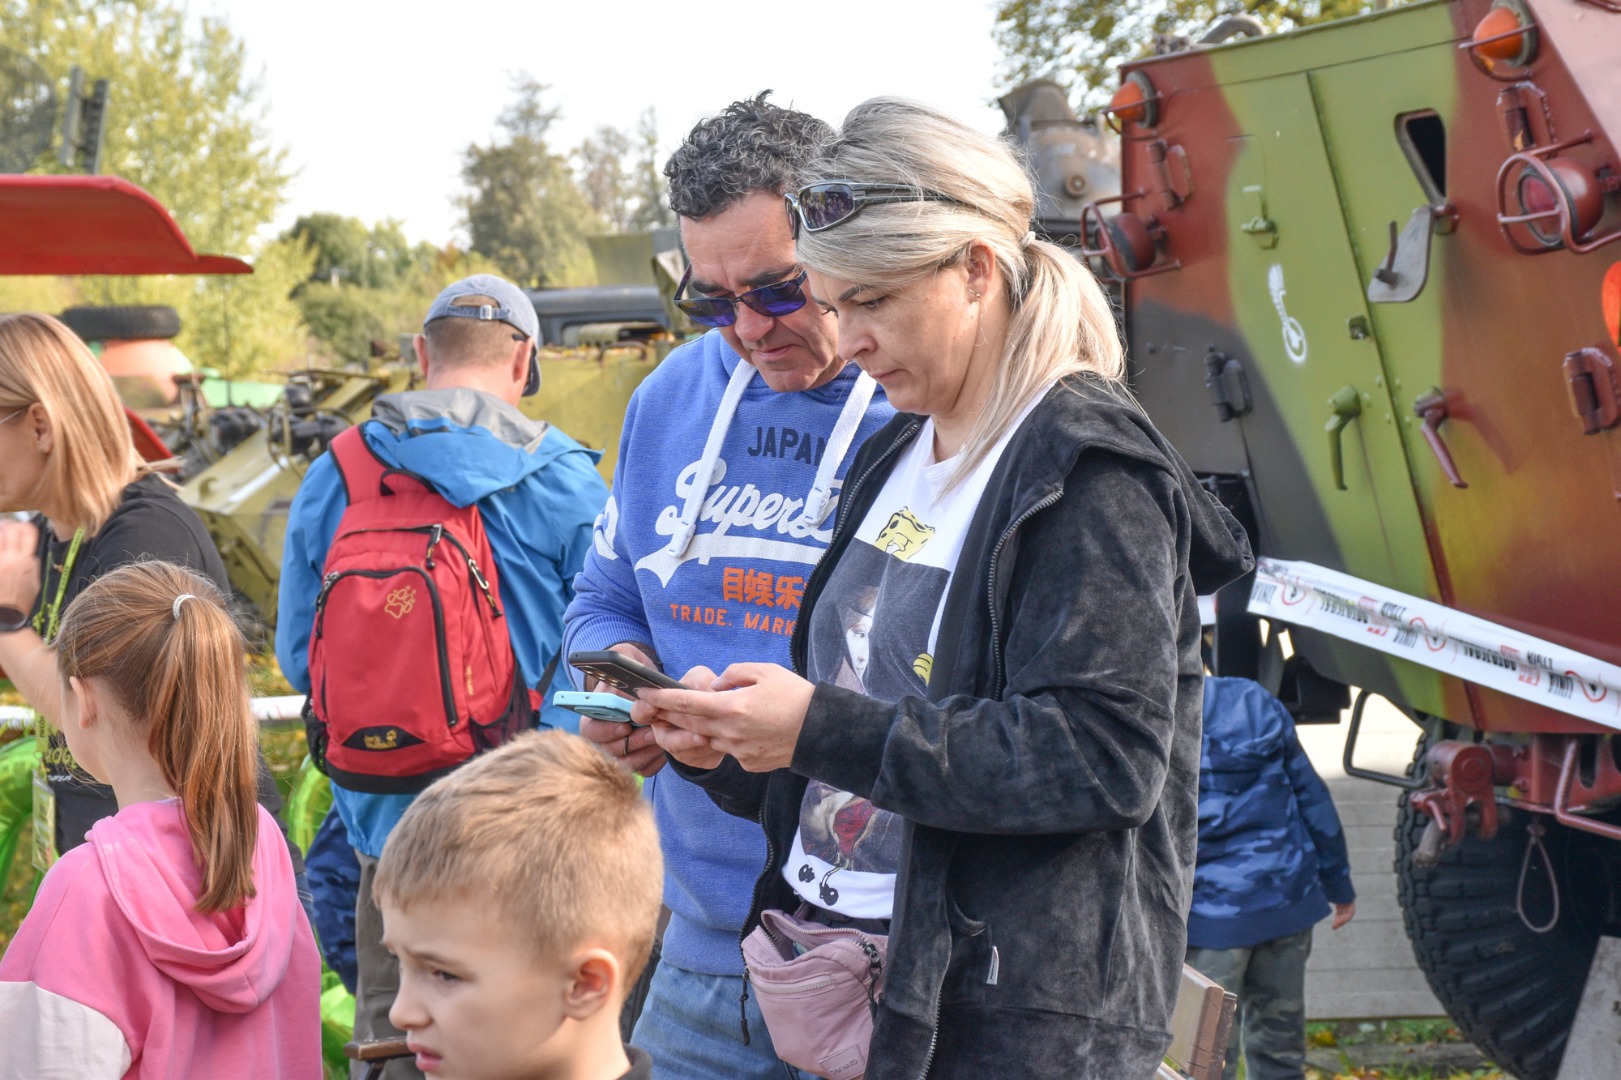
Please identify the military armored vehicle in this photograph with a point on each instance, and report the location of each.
(1371, 291)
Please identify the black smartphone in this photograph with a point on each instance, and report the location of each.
(619, 670)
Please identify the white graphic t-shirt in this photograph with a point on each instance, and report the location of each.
(873, 630)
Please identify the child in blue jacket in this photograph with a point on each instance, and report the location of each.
(1272, 861)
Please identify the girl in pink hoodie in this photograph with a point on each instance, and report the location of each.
(172, 944)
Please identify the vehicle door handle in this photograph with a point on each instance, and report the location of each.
(1590, 380)
(1431, 408)
(1347, 406)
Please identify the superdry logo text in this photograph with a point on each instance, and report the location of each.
(728, 507)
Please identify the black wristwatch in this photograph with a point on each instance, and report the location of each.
(12, 619)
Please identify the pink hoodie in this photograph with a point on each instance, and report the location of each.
(114, 974)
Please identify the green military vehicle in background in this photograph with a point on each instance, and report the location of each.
(1367, 278)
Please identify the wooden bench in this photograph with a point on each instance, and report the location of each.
(1200, 1027)
(376, 1053)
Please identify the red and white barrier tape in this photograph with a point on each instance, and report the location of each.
(1438, 637)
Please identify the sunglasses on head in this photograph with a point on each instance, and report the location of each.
(773, 301)
(833, 202)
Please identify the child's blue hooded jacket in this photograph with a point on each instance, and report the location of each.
(1271, 851)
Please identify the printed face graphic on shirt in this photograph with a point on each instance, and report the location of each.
(856, 644)
(874, 621)
(869, 632)
(847, 832)
(905, 535)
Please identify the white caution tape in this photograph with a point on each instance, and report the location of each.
(1439, 637)
(266, 710)
(271, 709)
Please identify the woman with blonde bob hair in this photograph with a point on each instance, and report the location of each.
(1033, 691)
(70, 460)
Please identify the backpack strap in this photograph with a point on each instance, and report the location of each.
(360, 470)
(546, 676)
(364, 474)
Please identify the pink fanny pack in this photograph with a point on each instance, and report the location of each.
(818, 988)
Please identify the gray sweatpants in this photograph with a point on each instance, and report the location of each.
(1270, 981)
(379, 980)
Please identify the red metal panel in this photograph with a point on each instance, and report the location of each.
(94, 225)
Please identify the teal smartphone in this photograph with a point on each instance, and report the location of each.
(609, 707)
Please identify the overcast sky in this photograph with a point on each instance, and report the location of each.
(375, 103)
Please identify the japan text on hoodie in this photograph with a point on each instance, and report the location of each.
(115, 974)
(723, 499)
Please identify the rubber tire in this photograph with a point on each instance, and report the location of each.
(1512, 992)
(123, 323)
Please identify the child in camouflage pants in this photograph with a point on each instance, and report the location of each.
(1272, 860)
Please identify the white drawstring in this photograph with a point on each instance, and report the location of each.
(839, 442)
(688, 524)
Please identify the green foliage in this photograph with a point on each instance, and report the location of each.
(347, 251)
(344, 319)
(649, 188)
(1082, 43)
(184, 123)
(37, 294)
(604, 180)
(249, 323)
(524, 210)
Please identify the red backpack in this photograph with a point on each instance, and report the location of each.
(411, 668)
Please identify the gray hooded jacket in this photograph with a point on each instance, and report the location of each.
(1050, 779)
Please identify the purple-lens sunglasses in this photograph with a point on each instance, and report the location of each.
(775, 300)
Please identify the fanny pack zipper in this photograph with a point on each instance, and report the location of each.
(802, 987)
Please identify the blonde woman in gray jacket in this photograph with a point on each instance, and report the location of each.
(1030, 720)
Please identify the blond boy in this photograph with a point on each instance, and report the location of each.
(520, 895)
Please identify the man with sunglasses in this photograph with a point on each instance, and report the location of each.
(730, 463)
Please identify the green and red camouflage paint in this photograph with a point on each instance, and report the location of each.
(1273, 174)
(1295, 352)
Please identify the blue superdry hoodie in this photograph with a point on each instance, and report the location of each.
(710, 572)
(1271, 851)
(538, 491)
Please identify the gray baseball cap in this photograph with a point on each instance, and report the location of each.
(512, 306)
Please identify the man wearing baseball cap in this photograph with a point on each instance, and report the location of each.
(539, 494)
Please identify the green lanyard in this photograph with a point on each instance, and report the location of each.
(49, 616)
(46, 622)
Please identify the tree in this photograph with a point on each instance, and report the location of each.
(525, 211)
(183, 122)
(368, 284)
(1082, 43)
(348, 251)
(603, 178)
(649, 190)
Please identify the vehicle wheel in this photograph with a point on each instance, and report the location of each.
(1511, 991)
(122, 323)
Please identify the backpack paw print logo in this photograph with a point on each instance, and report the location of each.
(401, 601)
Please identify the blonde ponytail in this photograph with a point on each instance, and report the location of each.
(178, 667)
